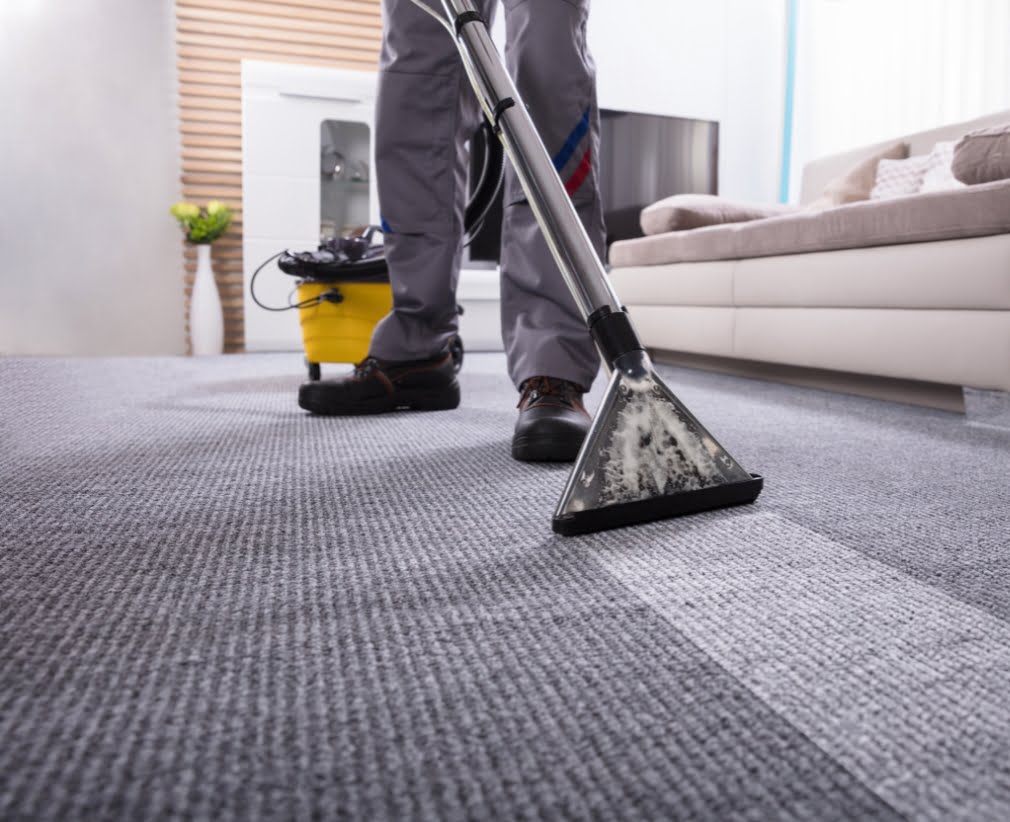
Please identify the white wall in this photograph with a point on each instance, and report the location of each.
(90, 259)
(718, 60)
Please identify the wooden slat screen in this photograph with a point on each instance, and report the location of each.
(212, 37)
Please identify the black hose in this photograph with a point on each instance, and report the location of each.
(252, 291)
(488, 183)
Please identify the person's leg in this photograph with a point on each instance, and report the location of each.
(551, 357)
(424, 113)
(425, 109)
(549, 61)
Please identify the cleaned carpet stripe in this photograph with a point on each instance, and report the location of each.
(847, 649)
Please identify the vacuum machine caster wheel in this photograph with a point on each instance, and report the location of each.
(456, 350)
(314, 372)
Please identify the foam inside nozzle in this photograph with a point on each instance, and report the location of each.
(646, 444)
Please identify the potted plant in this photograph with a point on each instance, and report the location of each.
(203, 225)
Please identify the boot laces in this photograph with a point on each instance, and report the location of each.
(366, 367)
(537, 388)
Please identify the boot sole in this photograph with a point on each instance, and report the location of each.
(546, 449)
(444, 399)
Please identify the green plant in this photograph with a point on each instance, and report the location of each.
(202, 225)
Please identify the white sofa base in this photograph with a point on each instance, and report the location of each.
(967, 348)
(936, 312)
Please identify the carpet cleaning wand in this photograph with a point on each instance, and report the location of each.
(646, 457)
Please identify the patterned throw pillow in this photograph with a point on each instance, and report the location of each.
(939, 176)
(897, 178)
(857, 183)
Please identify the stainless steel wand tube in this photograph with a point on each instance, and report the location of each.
(572, 249)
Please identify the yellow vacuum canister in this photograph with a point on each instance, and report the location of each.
(338, 318)
(342, 291)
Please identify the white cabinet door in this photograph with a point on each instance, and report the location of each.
(307, 163)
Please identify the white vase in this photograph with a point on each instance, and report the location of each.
(206, 323)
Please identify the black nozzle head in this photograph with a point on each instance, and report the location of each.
(613, 333)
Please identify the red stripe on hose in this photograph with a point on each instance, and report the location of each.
(581, 172)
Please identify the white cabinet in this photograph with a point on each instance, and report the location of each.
(307, 160)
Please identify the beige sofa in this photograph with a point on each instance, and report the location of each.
(907, 299)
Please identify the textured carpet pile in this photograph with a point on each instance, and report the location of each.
(213, 606)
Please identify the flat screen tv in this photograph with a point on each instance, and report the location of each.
(643, 158)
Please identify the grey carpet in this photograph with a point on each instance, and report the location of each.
(215, 607)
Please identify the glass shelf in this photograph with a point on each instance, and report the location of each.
(344, 156)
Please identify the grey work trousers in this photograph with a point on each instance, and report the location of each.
(426, 111)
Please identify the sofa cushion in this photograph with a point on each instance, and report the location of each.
(857, 183)
(974, 211)
(939, 175)
(686, 211)
(983, 156)
(898, 178)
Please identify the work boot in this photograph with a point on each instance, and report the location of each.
(552, 421)
(377, 386)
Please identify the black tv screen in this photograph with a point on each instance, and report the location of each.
(643, 158)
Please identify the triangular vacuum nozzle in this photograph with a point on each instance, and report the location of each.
(645, 458)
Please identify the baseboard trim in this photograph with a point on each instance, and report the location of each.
(911, 392)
